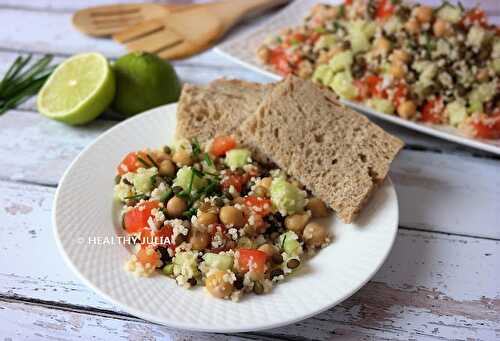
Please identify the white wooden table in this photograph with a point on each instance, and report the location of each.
(441, 280)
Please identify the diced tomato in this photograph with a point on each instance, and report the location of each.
(363, 91)
(148, 254)
(488, 127)
(373, 84)
(130, 163)
(136, 219)
(347, 2)
(474, 16)
(222, 144)
(431, 112)
(218, 233)
(236, 180)
(261, 206)
(252, 260)
(385, 9)
(400, 93)
(279, 60)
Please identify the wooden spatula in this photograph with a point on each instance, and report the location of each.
(182, 34)
(101, 21)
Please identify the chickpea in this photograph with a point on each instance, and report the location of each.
(167, 168)
(296, 222)
(160, 156)
(260, 191)
(175, 207)
(482, 75)
(182, 158)
(269, 249)
(230, 215)
(441, 28)
(397, 70)
(412, 26)
(400, 56)
(217, 286)
(382, 46)
(315, 234)
(407, 109)
(263, 54)
(317, 207)
(423, 13)
(199, 240)
(207, 218)
(266, 182)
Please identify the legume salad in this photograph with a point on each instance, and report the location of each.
(211, 216)
(434, 65)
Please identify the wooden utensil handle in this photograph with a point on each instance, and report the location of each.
(231, 11)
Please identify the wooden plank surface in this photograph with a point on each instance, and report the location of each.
(427, 277)
(441, 280)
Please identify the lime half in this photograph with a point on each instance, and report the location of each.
(80, 89)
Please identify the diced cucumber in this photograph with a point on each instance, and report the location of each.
(221, 261)
(326, 40)
(121, 191)
(495, 64)
(323, 74)
(186, 264)
(450, 13)
(483, 93)
(168, 269)
(343, 86)
(475, 36)
(456, 112)
(143, 180)
(183, 178)
(341, 61)
(475, 106)
(286, 197)
(288, 241)
(236, 158)
(381, 105)
(359, 34)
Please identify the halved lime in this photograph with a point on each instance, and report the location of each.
(80, 89)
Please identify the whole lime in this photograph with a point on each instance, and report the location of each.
(143, 81)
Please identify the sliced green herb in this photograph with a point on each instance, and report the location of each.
(196, 147)
(136, 197)
(21, 81)
(144, 162)
(153, 162)
(165, 196)
(283, 242)
(191, 212)
(208, 160)
(341, 11)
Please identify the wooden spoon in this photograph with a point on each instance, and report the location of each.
(182, 34)
(101, 21)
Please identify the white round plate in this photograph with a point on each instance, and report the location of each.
(86, 228)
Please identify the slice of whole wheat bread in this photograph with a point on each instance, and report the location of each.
(337, 153)
(218, 108)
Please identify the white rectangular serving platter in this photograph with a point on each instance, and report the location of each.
(241, 47)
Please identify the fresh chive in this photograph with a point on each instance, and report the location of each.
(197, 172)
(21, 81)
(208, 160)
(141, 160)
(165, 196)
(191, 212)
(196, 147)
(283, 242)
(152, 161)
(137, 196)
